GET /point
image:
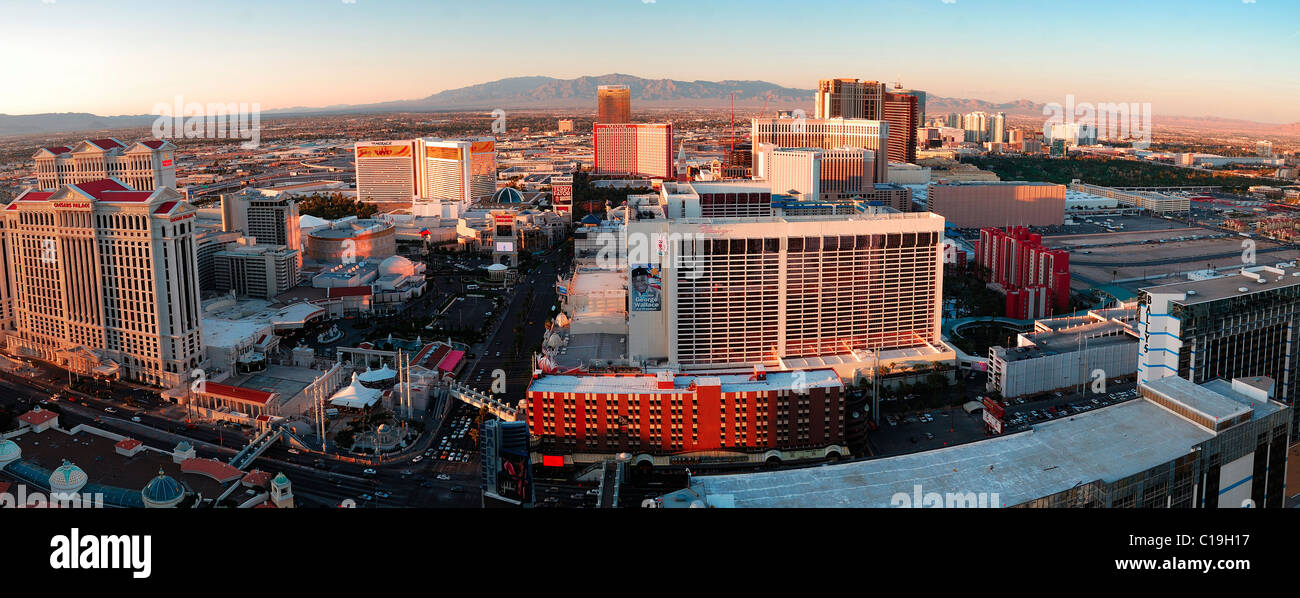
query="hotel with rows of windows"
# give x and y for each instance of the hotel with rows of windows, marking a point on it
(729, 322)
(104, 280)
(453, 172)
(824, 133)
(144, 165)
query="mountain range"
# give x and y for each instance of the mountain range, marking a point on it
(554, 93)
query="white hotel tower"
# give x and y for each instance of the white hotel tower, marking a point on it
(144, 165)
(105, 281)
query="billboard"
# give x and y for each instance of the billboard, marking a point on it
(993, 414)
(505, 246)
(383, 151)
(645, 292)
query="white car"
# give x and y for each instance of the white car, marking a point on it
(417, 459)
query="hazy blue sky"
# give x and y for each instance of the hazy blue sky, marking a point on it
(1188, 57)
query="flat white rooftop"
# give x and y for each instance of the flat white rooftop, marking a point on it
(1107, 444)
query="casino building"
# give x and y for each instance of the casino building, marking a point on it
(456, 171)
(144, 165)
(105, 280)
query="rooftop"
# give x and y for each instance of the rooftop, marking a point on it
(1107, 444)
(648, 383)
(1254, 280)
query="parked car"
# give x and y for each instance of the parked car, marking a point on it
(368, 471)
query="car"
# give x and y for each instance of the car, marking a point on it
(593, 492)
(382, 494)
(428, 452)
(191, 426)
(367, 497)
(369, 471)
(457, 489)
(426, 484)
(551, 500)
(417, 459)
(444, 477)
(136, 419)
(294, 451)
(929, 436)
(109, 410)
(464, 458)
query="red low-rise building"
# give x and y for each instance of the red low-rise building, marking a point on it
(665, 414)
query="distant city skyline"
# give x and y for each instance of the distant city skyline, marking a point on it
(336, 52)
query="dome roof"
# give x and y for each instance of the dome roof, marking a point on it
(497, 267)
(68, 478)
(162, 490)
(396, 265)
(507, 195)
(9, 451)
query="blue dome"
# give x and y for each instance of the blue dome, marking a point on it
(162, 489)
(507, 195)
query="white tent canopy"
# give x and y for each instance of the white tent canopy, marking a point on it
(356, 396)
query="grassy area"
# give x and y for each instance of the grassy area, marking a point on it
(1107, 172)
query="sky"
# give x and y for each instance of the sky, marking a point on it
(1225, 58)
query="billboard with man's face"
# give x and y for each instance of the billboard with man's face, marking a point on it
(645, 291)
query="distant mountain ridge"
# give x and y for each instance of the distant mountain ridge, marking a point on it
(537, 92)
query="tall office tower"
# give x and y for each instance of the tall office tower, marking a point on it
(269, 218)
(261, 271)
(788, 292)
(901, 112)
(976, 125)
(818, 174)
(953, 120)
(849, 98)
(207, 243)
(643, 149)
(920, 102)
(105, 281)
(825, 134)
(1264, 148)
(385, 171)
(456, 170)
(613, 104)
(145, 165)
(998, 128)
(1229, 327)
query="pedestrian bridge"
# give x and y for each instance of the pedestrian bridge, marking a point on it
(470, 395)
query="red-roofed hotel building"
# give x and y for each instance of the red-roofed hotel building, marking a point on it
(104, 281)
(144, 165)
(747, 417)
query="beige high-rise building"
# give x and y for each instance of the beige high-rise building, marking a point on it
(850, 98)
(144, 165)
(817, 174)
(785, 292)
(267, 217)
(824, 133)
(105, 281)
(981, 204)
(613, 104)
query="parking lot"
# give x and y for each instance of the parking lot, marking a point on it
(939, 428)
